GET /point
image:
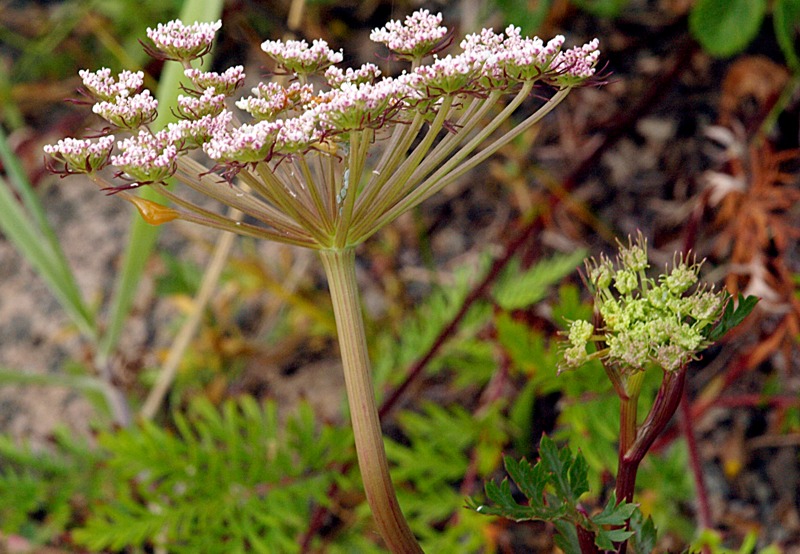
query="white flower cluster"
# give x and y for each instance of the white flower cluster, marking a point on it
(146, 157)
(128, 112)
(297, 117)
(243, 144)
(367, 73)
(414, 38)
(272, 99)
(197, 107)
(81, 155)
(176, 41)
(102, 86)
(297, 57)
(225, 83)
(193, 133)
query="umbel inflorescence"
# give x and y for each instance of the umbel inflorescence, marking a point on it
(644, 321)
(328, 155)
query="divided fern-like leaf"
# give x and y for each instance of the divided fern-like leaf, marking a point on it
(643, 540)
(614, 515)
(552, 488)
(229, 480)
(440, 445)
(732, 317)
(421, 328)
(517, 290)
(567, 474)
(46, 482)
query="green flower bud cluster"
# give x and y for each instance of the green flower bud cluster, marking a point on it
(663, 321)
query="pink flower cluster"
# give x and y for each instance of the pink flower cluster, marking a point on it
(102, 86)
(197, 107)
(128, 112)
(193, 133)
(367, 73)
(146, 157)
(81, 155)
(227, 82)
(513, 57)
(359, 106)
(272, 99)
(297, 57)
(176, 41)
(298, 117)
(420, 34)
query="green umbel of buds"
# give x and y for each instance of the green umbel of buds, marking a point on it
(644, 321)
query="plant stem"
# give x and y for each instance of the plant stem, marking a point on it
(629, 401)
(340, 270)
(666, 403)
(586, 541)
(703, 508)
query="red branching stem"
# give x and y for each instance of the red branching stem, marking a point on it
(666, 403)
(703, 508)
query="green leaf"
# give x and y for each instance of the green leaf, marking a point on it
(556, 470)
(613, 513)
(563, 469)
(726, 27)
(732, 317)
(228, 476)
(643, 540)
(10, 376)
(506, 505)
(531, 480)
(579, 476)
(605, 538)
(529, 17)
(602, 8)
(517, 290)
(567, 537)
(616, 516)
(786, 21)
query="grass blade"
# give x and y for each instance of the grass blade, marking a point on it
(27, 228)
(142, 235)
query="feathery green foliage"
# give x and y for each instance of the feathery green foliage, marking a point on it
(235, 480)
(36, 483)
(440, 445)
(472, 357)
(421, 327)
(519, 289)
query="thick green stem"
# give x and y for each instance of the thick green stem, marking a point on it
(340, 270)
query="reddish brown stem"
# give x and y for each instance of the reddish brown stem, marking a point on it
(664, 407)
(703, 508)
(586, 541)
(666, 403)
